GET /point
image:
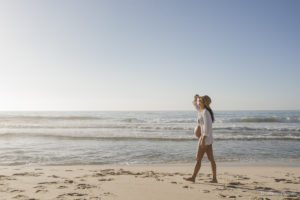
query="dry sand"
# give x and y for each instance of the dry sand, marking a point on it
(153, 182)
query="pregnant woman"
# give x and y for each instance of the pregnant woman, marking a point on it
(205, 119)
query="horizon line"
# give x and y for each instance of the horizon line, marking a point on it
(144, 110)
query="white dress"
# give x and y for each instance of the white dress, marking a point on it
(205, 121)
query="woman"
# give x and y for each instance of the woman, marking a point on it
(205, 119)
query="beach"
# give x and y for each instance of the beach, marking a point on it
(145, 155)
(148, 182)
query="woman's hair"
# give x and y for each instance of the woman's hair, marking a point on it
(206, 101)
(211, 113)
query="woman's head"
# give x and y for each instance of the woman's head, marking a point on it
(204, 102)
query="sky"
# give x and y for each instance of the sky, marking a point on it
(149, 55)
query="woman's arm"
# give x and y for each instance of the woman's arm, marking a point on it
(206, 127)
(195, 103)
(202, 140)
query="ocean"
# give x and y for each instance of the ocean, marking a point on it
(146, 137)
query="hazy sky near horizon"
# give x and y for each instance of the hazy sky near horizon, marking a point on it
(149, 55)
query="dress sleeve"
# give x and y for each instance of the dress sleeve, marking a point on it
(207, 123)
(196, 105)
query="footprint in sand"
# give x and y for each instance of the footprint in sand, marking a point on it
(48, 183)
(107, 193)
(5, 188)
(69, 181)
(180, 174)
(221, 188)
(158, 179)
(20, 196)
(105, 179)
(72, 194)
(41, 191)
(16, 190)
(40, 187)
(27, 174)
(263, 188)
(3, 177)
(234, 184)
(85, 186)
(280, 179)
(222, 195)
(107, 170)
(261, 198)
(62, 187)
(98, 174)
(95, 198)
(124, 172)
(286, 181)
(54, 176)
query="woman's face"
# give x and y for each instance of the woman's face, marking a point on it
(201, 104)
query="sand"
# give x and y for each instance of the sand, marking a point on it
(148, 182)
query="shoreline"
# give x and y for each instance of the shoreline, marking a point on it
(204, 163)
(163, 181)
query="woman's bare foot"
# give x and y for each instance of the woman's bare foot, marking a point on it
(190, 179)
(214, 181)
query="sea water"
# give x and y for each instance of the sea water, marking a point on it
(146, 137)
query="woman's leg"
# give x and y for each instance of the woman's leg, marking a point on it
(213, 166)
(200, 153)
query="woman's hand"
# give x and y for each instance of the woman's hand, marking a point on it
(202, 141)
(195, 97)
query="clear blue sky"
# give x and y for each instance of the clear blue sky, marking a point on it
(149, 55)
